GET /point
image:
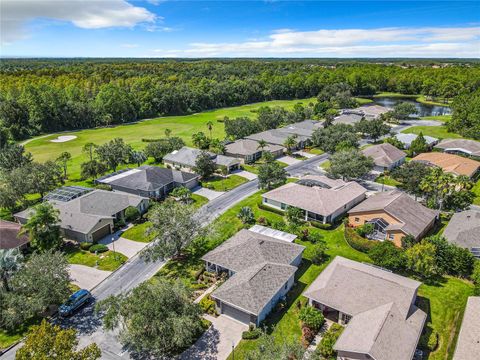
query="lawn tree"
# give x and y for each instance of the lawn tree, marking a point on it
(270, 117)
(89, 149)
(92, 169)
(63, 160)
(271, 348)
(174, 226)
(210, 127)
(295, 216)
(410, 175)
(48, 341)
(14, 186)
(329, 138)
(113, 153)
(419, 145)
(319, 253)
(395, 142)
(271, 174)
(421, 259)
(137, 157)
(374, 129)
(217, 146)
(385, 254)
(200, 140)
(451, 259)
(240, 127)
(403, 110)
(158, 149)
(45, 177)
(183, 194)
(168, 132)
(350, 164)
(289, 144)
(43, 227)
(164, 308)
(14, 156)
(10, 262)
(204, 165)
(246, 215)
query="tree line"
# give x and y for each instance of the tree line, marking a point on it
(41, 96)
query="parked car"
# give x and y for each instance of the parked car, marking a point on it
(74, 302)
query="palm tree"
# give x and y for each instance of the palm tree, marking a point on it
(10, 260)
(289, 143)
(210, 128)
(246, 215)
(168, 132)
(262, 144)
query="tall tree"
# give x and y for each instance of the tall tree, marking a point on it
(410, 175)
(374, 129)
(91, 169)
(350, 164)
(204, 165)
(329, 138)
(200, 140)
(210, 127)
(89, 149)
(10, 262)
(47, 341)
(419, 145)
(289, 143)
(43, 227)
(421, 259)
(137, 157)
(174, 226)
(113, 153)
(271, 175)
(14, 156)
(63, 160)
(45, 177)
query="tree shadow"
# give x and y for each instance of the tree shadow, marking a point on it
(423, 303)
(86, 321)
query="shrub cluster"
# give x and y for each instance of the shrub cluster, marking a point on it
(268, 208)
(208, 305)
(99, 248)
(85, 245)
(357, 242)
(251, 334)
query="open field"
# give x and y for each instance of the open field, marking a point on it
(439, 132)
(43, 149)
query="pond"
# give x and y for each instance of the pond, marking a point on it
(422, 109)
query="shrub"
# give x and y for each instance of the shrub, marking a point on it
(315, 237)
(325, 348)
(132, 213)
(118, 224)
(103, 187)
(279, 225)
(432, 340)
(268, 208)
(307, 336)
(357, 242)
(319, 254)
(251, 334)
(246, 215)
(199, 272)
(85, 245)
(262, 220)
(320, 225)
(311, 318)
(99, 248)
(208, 305)
(365, 229)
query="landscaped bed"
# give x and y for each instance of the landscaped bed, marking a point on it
(220, 183)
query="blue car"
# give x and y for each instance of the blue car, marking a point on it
(74, 302)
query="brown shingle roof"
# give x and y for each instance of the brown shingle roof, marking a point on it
(471, 146)
(450, 163)
(384, 154)
(9, 235)
(249, 147)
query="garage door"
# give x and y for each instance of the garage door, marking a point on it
(236, 314)
(101, 233)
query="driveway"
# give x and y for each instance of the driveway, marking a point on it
(246, 174)
(209, 194)
(124, 246)
(86, 277)
(289, 160)
(216, 343)
(306, 154)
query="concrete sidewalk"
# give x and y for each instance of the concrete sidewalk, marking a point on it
(86, 277)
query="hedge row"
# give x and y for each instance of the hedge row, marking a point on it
(357, 242)
(268, 208)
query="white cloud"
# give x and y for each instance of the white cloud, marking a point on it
(85, 14)
(380, 42)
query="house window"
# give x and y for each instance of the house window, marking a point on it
(357, 219)
(391, 236)
(283, 206)
(345, 318)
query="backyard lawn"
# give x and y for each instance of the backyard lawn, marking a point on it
(219, 183)
(439, 132)
(108, 261)
(387, 180)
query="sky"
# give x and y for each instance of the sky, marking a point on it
(157, 28)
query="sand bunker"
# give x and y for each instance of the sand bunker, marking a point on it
(64, 138)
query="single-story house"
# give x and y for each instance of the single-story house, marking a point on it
(249, 151)
(149, 181)
(394, 215)
(460, 146)
(323, 199)
(406, 139)
(376, 306)
(10, 237)
(385, 156)
(463, 230)
(278, 137)
(260, 269)
(186, 157)
(302, 128)
(468, 343)
(371, 112)
(91, 217)
(450, 163)
(349, 118)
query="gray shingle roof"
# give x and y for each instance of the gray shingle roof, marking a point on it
(303, 128)
(9, 235)
(407, 139)
(148, 178)
(349, 119)
(249, 147)
(384, 322)
(468, 344)
(384, 154)
(463, 229)
(319, 200)
(187, 157)
(275, 136)
(469, 146)
(414, 217)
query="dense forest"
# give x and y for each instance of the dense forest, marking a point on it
(41, 96)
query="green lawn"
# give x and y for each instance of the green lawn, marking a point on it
(43, 149)
(199, 200)
(315, 151)
(387, 180)
(476, 190)
(253, 167)
(108, 261)
(138, 233)
(8, 338)
(325, 165)
(219, 183)
(363, 101)
(439, 132)
(442, 118)
(422, 99)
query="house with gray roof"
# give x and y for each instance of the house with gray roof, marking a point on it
(349, 118)
(463, 230)
(385, 156)
(394, 215)
(468, 343)
(460, 147)
(260, 269)
(278, 137)
(302, 128)
(321, 198)
(149, 181)
(376, 306)
(371, 112)
(406, 139)
(11, 237)
(249, 150)
(91, 217)
(186, 157)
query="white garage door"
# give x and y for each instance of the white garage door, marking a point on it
(236, 314)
